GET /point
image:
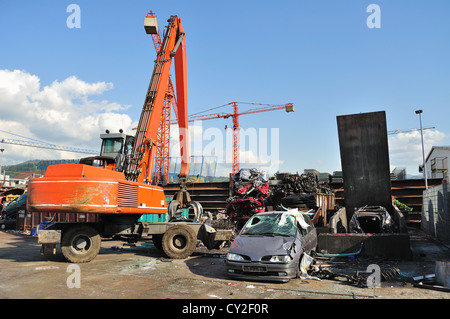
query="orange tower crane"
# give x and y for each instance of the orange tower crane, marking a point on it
(289, 107)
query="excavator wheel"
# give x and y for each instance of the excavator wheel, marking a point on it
(179, 242)
(80, 244)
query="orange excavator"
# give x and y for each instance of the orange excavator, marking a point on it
(116, 185)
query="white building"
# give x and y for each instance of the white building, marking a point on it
(4, 181)
(436, 163)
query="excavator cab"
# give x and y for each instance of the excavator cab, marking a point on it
(117, 146)
(115, 151)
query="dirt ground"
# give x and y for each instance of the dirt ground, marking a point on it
(122, 271)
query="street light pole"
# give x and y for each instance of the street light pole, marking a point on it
(423, 152)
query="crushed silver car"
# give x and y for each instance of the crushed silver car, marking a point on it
(271, 245)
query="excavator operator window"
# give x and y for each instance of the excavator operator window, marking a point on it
(113, 145)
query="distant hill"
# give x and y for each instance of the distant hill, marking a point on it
(33, 166)
(28, 166)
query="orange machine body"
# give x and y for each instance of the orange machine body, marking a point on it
(87, 189)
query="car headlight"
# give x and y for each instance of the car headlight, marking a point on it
(280, 259)
(235, 257)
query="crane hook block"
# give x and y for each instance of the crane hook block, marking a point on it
(290, 107)
(150, 23)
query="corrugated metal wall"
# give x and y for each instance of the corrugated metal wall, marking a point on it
(436, 212)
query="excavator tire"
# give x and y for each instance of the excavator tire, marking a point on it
(80, 244)
(179, 242)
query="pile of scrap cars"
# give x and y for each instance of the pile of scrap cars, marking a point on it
(277, 239)
(253, 192)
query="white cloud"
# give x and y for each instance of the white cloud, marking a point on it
(215, 145)
(62, 113)
(195, 135)
(405, 149)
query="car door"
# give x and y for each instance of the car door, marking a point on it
(304, 238)
(10, 208)
(14, 206)
(310, 236)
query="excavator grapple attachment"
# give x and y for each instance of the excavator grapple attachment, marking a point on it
(150, 23)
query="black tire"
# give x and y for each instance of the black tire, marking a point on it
(80, 244)
(179, 242)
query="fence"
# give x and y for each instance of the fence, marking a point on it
(202, 169)
(436, 212)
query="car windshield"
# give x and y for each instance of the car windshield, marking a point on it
(270, 225)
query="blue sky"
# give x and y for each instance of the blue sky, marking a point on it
(319, 55)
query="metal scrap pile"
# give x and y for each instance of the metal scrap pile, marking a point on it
(250, 189)
(304, 183)
(253, 193)
(359, 278)
(295, 191)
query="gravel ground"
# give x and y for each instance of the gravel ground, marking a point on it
(122, 271)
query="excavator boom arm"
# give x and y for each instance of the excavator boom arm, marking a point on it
(142, 157)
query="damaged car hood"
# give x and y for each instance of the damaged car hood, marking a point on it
(256, 247)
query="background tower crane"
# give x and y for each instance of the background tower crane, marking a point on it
(409, 130)
(162, 152)
(45, 145)
(289, 107)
